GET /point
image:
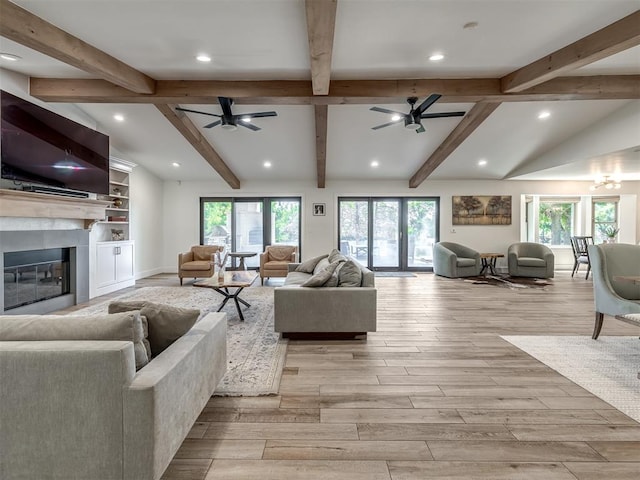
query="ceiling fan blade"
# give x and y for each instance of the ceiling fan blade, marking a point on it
(214, 124)
(250, 126)
(421, 129)
(196, 111)
(386, 124)
(385, 110)
(225, 103)
(431, 99)
(257, 115)
(443, 114)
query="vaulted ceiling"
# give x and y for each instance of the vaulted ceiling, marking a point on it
(322, 64)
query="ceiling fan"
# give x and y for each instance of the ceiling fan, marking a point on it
(228, 120)
(412, 120)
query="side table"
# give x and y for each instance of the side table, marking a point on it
(242, 256)
(489, 262)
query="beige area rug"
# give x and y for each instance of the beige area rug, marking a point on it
(255, 353)
(607, 367)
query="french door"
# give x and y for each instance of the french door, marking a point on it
(386, 233)
(249, 224)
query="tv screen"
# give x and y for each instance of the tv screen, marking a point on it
(43, 148)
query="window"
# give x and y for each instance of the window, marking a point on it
(605, 217)
(556, 221)
(249, 224)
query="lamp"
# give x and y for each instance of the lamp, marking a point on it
(607, 183)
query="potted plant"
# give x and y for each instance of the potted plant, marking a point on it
(611, 232)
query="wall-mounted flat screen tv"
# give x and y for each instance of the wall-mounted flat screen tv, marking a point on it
(43, 148)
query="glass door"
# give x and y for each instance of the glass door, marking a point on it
(285, 222)
(249, 231)
(386, 234)
(354, 229)
(422, 231)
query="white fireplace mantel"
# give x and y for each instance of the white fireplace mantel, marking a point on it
(15, 203)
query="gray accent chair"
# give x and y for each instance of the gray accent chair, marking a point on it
(526, 259)
(454, 260)
(620, 299)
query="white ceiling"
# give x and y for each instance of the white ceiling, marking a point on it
(374, 39)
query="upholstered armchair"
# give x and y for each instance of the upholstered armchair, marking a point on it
(454, 260)
(614, 296)
(275, 260)
(527, 259)
(199, 262)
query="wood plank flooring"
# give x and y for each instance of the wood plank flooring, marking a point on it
(435, 393)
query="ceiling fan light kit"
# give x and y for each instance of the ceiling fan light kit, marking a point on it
(228, 120)
(413, 119)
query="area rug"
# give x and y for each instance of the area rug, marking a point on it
(394, 274)
(607, 367)
(255, 352)
(509, 282)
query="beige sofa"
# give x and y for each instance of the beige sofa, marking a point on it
(325, 311)
(78, 409)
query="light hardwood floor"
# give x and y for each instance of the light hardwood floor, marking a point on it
(434, 393)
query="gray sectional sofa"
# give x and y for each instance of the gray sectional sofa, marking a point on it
(339, 307)
(79, 409)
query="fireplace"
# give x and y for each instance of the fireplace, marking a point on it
(44, 270)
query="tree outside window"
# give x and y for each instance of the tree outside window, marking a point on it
(556, 222)
(605, 219)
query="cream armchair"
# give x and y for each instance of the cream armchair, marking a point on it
(275, 260)
(198, 262)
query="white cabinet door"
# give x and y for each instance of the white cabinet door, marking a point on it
(124, 261)
(105, 264)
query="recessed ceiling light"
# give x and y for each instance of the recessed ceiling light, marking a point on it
(267, 164)
(203, 58)
(543, 115)
(482, 162)
(470, 25)
(10, 56)
(118, 117)
(374, 164)
(246, 119)
(436, 57)
(175, 164)
(395, 117)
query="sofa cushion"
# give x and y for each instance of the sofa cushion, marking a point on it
(296, 278)
(349, 275)
(166, 322)
(531, 262)
(322, 264)
(308, 265)
(465, 262)
(120, 326)
(320, 278)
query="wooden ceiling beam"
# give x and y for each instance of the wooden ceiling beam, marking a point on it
(23, 27)
(321, 22)
(343, 92)
(612, 39)
(466, 127)
(192, 134)
(321, 114)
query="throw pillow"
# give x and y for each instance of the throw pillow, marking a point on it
(320, 278)
(333, 279)
(350, 275)
(336, 256)
(166, 322)
(322, 264)
(308, 265)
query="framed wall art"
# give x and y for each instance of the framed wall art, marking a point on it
(318, 208)
(481, 210)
